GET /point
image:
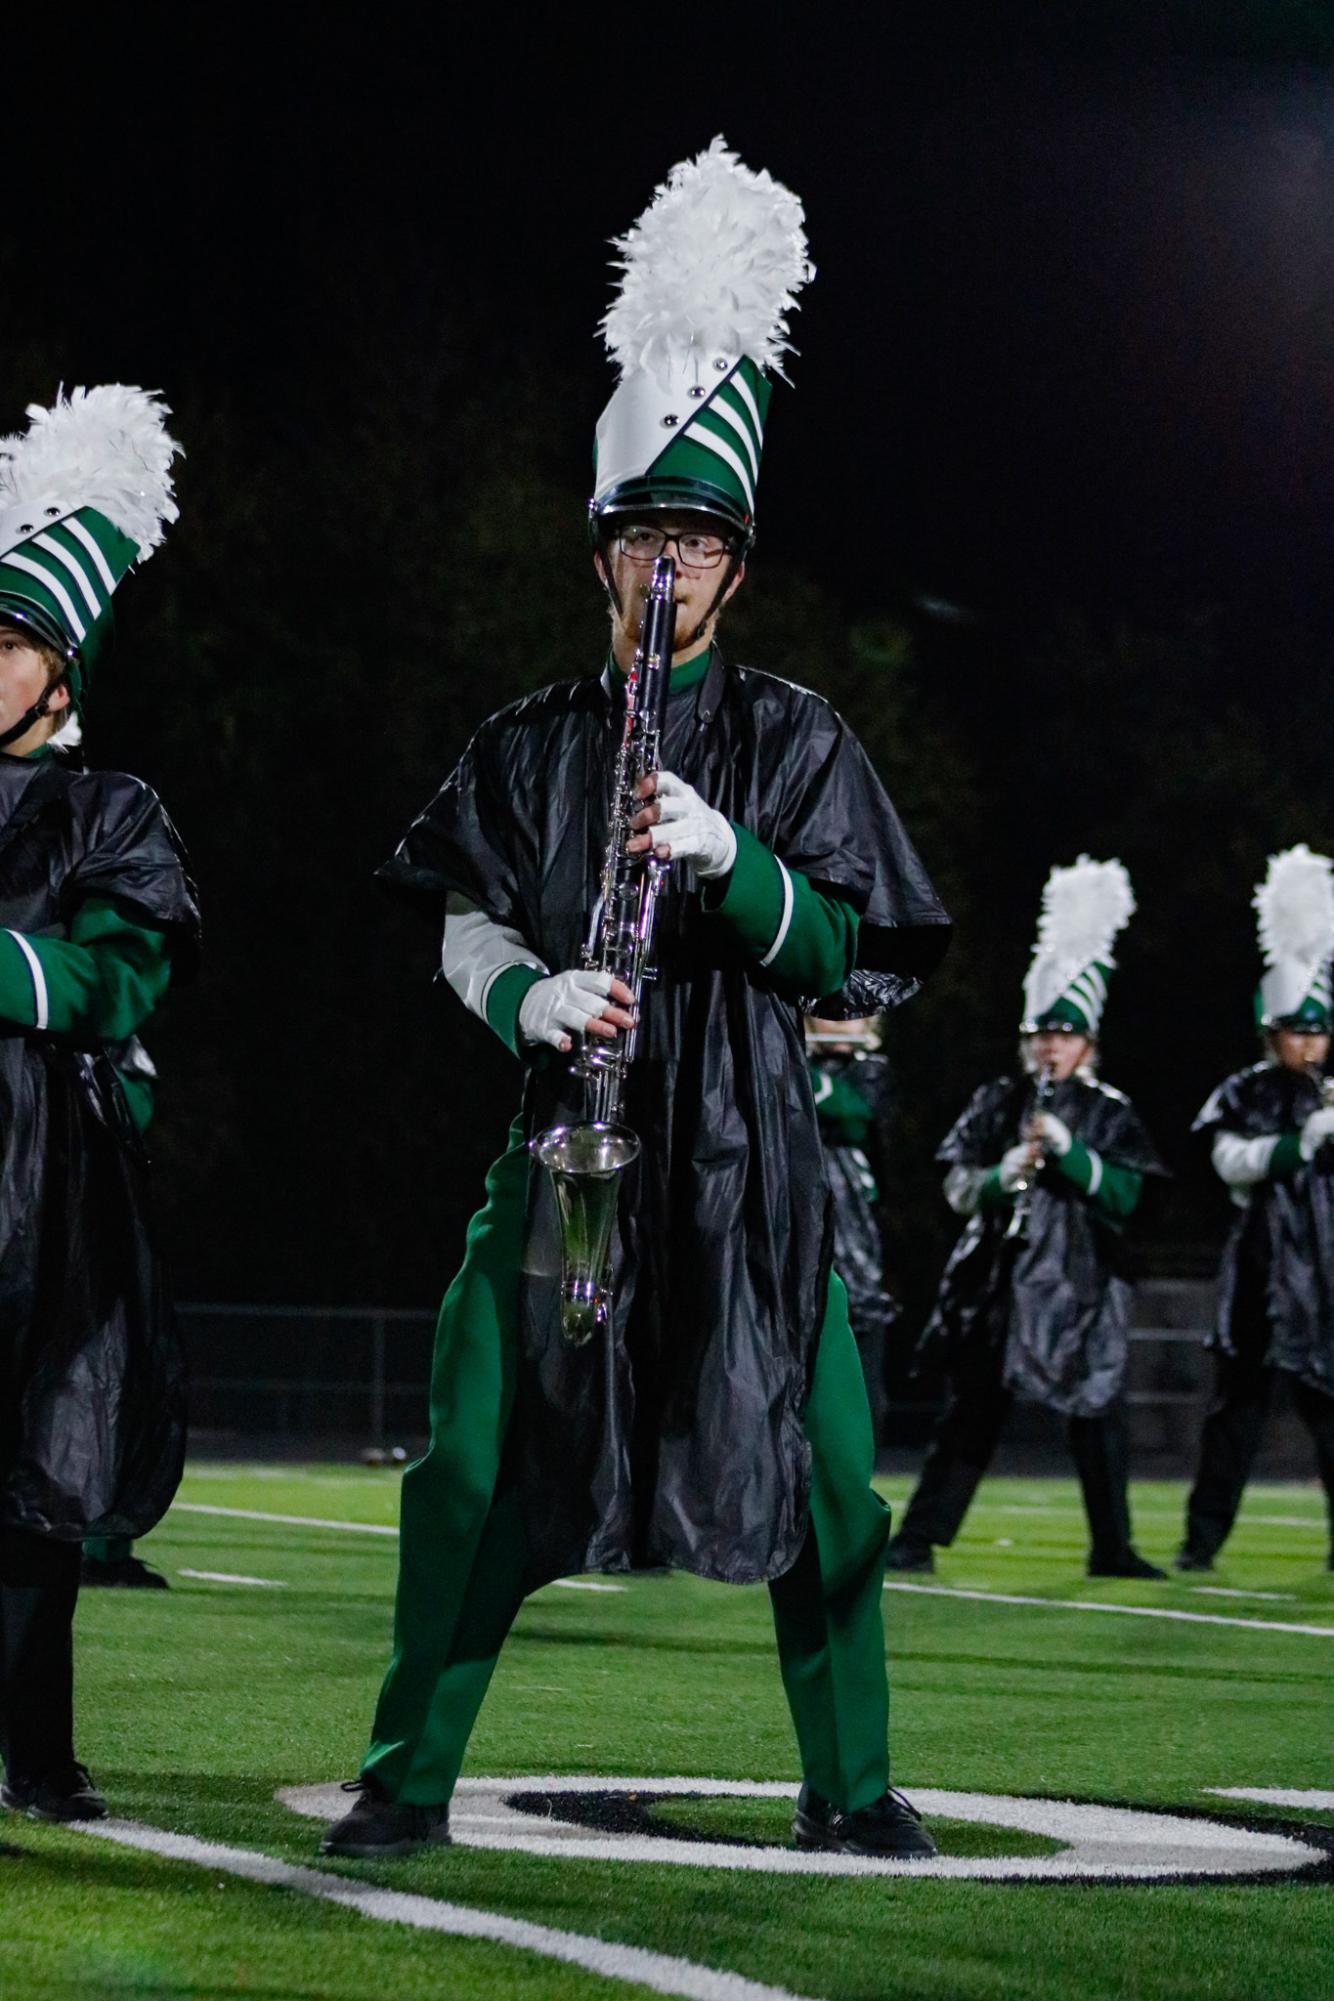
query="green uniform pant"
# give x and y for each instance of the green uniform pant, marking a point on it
(462, 1547)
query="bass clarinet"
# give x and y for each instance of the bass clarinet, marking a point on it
(586, 1160)
(1023, 1195)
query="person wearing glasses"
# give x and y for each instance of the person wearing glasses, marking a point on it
(1046, 1169)
(1270, 1129)
(720, 1424)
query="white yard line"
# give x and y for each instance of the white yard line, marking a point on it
(1142, 1514)
(1230, 1591)
(585, 1584)
(284, 1521)
(656, 1970)
(1127, 1611)
(233, 1577)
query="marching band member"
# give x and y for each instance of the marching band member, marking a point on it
(1269, 1127)
(1047, 1169)
(720, 1426)
(851, 1077)
(101, 919)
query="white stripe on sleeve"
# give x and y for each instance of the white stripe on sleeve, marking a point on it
(1095, 1171)
(784, 922)
(41, 1000)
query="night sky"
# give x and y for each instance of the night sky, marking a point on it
(1068, 355)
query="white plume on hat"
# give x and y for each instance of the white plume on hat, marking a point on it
(715, 261)
(106, 448)
(1294, 908)
(1084, 908)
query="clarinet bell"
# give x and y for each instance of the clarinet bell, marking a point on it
(585, 1163)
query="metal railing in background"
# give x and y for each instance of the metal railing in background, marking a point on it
(300, 1379)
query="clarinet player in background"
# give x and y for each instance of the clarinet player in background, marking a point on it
(1270, 1129)
(1047, 1169)
(717, 1421)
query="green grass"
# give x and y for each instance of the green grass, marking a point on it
(195, 1706)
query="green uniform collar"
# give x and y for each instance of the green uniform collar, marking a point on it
(685, 677)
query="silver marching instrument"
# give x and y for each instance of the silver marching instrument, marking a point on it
(1023, 1195)
(586, 1160)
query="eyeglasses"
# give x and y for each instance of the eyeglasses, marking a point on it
(696, 551)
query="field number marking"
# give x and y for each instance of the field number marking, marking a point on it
(1100, 1841)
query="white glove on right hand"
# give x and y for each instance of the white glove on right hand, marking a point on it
(556, 1008)
(1317, 1129)
(1016, 1167)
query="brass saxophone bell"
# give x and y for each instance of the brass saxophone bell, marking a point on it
(585, 1163)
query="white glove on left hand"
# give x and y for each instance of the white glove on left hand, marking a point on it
(690, 830)
(1016, 1168)
(1317, 1129)
(1054, 1133)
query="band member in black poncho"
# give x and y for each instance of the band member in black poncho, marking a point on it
(719, 1424)
(1271, 1134)
(99, 919)
(1047, 1168)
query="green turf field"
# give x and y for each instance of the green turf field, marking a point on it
(199, 1705)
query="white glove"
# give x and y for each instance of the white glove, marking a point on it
(692, 830)
(554, 1009)
(1016, 1167)
(1317, 1129)
(1054, 1133)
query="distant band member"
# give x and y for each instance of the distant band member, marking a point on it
(853, 1085)
(1048, 1168)
(1270, 1128)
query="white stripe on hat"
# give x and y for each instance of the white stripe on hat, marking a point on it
(90, 596)
(743, 390)
(89, 541)
(720, 449)
(721, 408)
(54, 585)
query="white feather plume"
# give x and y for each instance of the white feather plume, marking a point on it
(1295, 907)
(1084, 907)
(69, 734)
(106, 448)
(716, 260)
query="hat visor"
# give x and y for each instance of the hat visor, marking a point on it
(694, 496)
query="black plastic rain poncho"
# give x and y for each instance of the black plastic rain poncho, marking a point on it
(1276, 1276)
(1057, 1300)
(684, 1445)
(92, 1419)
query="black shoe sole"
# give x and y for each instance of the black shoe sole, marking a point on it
(371, 1851)
(30, 1811)
(811, 1837)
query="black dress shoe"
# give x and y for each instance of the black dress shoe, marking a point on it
(378, 1826)
(904, 1555)
(63, 1795)
(1193, 1559)
(131, 1573)
(1130, 1564)
(890, 1827)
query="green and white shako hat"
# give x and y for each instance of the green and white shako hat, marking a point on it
(1294, 908)
(1084, 908)
(709, 273)
(85, 493)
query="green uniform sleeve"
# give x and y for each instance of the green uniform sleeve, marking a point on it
(506, 998)
(1113, 1189)
(98, 985)
(1286, 1157)
(806, 939)
(991, 1196)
